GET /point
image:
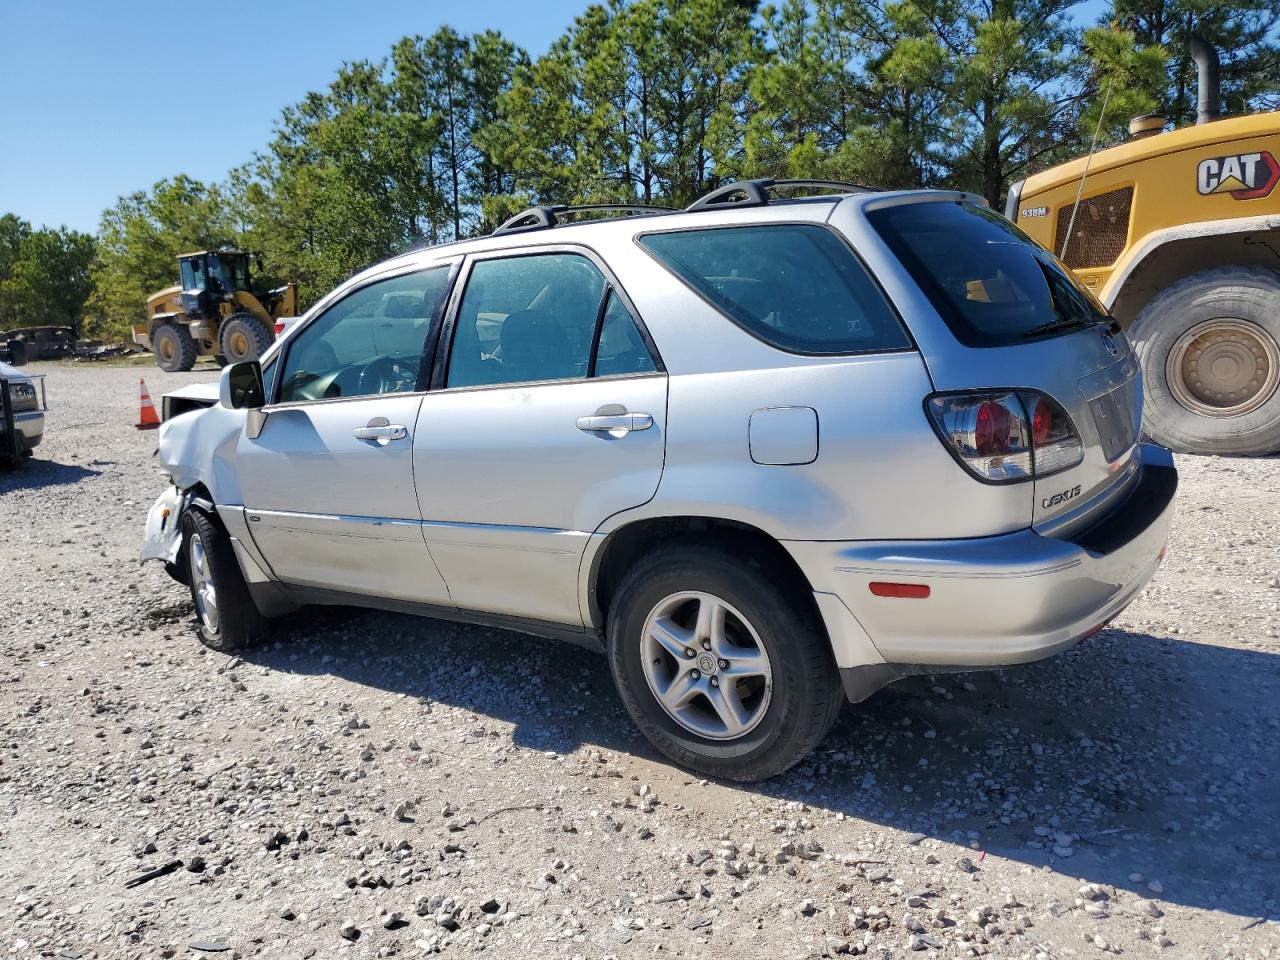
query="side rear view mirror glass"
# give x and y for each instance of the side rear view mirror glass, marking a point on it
(241, 387)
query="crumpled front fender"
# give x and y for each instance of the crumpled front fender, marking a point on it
(163, 537)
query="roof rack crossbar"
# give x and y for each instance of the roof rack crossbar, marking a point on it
(542, 217)
(755, 193)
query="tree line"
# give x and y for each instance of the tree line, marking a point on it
(659, 101)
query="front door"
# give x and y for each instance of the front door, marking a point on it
(328, 483)
(550, 418)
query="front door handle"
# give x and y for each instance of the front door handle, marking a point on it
(380, 431)
(615, 424)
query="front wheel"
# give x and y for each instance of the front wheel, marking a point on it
(724, 670)
(1210, 351)
(242, 337)
(226, 617)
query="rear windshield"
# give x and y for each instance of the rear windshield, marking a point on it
(795, 286)
(991, 283)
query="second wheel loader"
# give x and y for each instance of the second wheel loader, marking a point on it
(214, 311)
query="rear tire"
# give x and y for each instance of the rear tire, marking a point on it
(241, 337)
(226, 617)
(1210, 352)
(174, 349)
(781, 709)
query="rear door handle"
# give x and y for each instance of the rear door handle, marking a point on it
(616, 424)
(380, 431)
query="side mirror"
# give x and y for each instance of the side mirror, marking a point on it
(241, 387)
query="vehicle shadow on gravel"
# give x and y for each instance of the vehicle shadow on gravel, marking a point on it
(1135, 761)
(34, 473)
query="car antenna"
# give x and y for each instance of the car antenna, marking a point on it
(1075, 207)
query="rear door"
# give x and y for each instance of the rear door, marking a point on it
(328, 482)
(1014, 317)
(547, 415)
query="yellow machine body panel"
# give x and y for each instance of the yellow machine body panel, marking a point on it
(1221, 171)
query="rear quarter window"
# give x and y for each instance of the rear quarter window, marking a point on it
(795, 286)
(991, 283)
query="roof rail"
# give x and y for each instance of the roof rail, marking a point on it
(542, 217)
(755, 193)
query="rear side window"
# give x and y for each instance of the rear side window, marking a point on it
(795, 286)
(990, 282)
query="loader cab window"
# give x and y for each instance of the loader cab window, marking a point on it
(192, 270)
(230, 273)
(369, 342)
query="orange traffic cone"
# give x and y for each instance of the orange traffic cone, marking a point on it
(148, 419)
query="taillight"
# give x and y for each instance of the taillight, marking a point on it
(1003, 436)
(279, 327)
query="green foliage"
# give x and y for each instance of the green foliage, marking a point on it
(139, 240)
(44, 275)
(1244, 32)
(659, 101)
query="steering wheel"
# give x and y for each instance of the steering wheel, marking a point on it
(388, 375)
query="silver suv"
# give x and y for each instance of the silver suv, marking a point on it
(766, 453)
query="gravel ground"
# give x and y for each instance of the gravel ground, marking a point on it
(376, 785)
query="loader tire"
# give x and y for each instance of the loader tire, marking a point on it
(174, 349)
(242, 337)
(1210, 352)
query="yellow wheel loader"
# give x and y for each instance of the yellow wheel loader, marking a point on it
(1178, 234)
(213, 312)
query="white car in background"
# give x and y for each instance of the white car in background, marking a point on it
(26, 407)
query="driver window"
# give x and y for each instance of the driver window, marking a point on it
(370, 342)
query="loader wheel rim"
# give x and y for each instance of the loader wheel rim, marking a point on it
(238, 344)
(1224, 367)
(167, 348)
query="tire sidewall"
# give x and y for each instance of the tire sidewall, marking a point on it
(253, 330)
(227, 581)
(763, 606)
(164, 332)
(1158, 329)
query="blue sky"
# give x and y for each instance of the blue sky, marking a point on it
(104, 97)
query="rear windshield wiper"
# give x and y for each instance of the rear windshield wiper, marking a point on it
(1053, 326)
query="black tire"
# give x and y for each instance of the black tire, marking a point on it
(242, 337)
(806, 694)
(174, 349)
(237, 623)
(1248, 294)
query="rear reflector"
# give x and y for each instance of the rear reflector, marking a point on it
(279, 327)
(911, 591)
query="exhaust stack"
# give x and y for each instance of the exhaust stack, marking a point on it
(1208, 107)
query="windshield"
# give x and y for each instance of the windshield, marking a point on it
(990, 282)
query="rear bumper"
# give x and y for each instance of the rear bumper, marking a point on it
(29, 425)
(998, 600)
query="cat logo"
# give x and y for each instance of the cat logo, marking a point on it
(1246, 176)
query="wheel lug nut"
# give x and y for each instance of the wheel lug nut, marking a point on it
(690, 653)
(706, 644)
(724, 664)
(695, 674)
(715, 682)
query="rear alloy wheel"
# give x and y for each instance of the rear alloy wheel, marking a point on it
(706, 665)
(174, 349)
(242, 337)
(726, 669)
(1210, 351)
